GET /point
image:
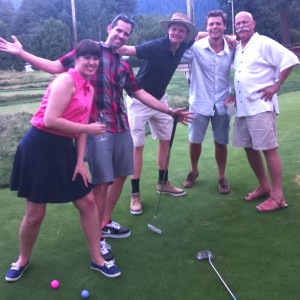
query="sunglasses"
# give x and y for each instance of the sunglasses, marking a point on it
(123, 18)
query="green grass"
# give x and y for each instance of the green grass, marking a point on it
(256, 254)
(11, 78)
(12, 128)
(16, 108)
(22, 87)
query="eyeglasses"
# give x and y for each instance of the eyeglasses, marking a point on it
(123, 18)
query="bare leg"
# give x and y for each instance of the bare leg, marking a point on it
(221, 158)
(100, 192)
(29, 230)
(113, 194)
(138, 161)
(275, 171)
(256, 163)
(162, 154)
(90, 222)
(195, 152)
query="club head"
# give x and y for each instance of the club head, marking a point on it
(204, 254)
(154, 229)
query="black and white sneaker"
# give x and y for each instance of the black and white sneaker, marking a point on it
(105, 251)
(115, 230)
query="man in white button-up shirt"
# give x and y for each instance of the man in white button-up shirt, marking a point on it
(210, 59)
(261, 66)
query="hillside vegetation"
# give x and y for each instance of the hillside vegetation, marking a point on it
(168, 7)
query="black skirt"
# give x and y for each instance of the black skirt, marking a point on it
(43, 168)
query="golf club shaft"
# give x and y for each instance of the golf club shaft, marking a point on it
(222, 280)
(168, 158)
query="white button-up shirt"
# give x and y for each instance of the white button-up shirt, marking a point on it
(210, 77)
(257, 66)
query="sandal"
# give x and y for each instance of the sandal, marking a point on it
(271, 205)
(257, 194)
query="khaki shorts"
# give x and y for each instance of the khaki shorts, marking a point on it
(257, 132)
(139, 114)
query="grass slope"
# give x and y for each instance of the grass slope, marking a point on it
(22, 87)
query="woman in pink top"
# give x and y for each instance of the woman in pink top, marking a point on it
(49, 163)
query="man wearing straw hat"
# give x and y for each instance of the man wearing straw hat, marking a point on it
(160, 58)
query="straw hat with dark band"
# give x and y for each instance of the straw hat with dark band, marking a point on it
(183, 19)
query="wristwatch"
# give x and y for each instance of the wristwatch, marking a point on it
(277, 80)
(170, 112)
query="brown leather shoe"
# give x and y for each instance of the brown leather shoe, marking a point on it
(136, 207)
(223, 186)
(169, 188)
(190, 179)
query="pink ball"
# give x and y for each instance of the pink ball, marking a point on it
(55, 284)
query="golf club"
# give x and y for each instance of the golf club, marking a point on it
(154, 229)
(151, 227)
(206, 254)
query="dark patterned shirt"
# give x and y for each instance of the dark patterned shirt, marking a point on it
(114, 75)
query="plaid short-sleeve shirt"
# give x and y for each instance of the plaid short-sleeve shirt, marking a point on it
(114, 75)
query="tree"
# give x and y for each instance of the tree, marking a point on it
(295, 23)
(5, 59)
(147, 28)
(7, 12)
(54, 39)
(51, 41)
(92, 20)
(201, 8)
(273, 17)
(280, 11)
(33, 13)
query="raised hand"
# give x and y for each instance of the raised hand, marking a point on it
(14, 48)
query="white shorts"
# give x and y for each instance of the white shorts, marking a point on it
(139, 114)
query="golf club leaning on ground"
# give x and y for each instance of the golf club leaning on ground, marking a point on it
(151, 227)
(206, 254)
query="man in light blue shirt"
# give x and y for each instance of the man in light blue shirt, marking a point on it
(210, 59)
